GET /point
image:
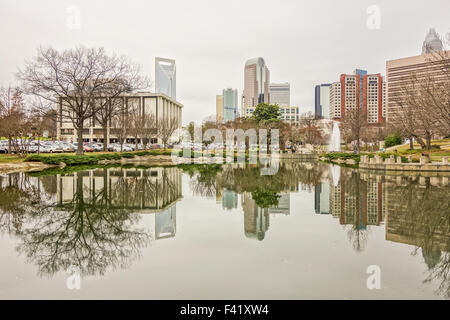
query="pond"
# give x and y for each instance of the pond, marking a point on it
(311, 231)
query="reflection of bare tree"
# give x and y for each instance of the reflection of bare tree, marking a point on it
(203, 179)
(419, 214)
(357, 231)
(358, 237)
(142, 188)
(441, 273)
(89, 234)
(18, 196)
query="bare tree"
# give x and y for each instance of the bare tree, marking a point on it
(166, 127)
(14, 120)
(136, 123)
(120, 127)
(354, 122)
(148, 128)
(423, 101)
(309, 130)
(74, 79)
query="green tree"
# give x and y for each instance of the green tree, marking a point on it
(266, 113)
(265, 197)
(392, 140)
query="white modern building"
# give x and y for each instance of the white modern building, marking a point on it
(166, 77)
(280, 94)
(158, 104)
(335, 100)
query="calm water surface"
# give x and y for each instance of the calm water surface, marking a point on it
(209, 232)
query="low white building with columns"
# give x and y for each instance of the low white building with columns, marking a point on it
(158, 104)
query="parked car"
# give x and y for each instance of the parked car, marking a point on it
(67, 147)
(87, 148)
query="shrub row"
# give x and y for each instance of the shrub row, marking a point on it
(74, 160)
(90, 159)
(357, 157)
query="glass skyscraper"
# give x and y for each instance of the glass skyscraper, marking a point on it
(166, 77)
(256, 84)
(361, 74)
(229, 104)
(322, 100)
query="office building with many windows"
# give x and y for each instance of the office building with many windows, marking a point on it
(280, 94)
(162, 107)
(256, 84)
(359, 91)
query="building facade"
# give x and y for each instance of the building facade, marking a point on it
(280, 94)
(400, 70)
(230, 104)
(166, 77)
(335, 101)
(290, 114)
(359, 91)
(159, 105)
(256, 84)
(219, 108)
(322, 100)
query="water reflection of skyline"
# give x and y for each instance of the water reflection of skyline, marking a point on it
(42, 210)
(144, 191)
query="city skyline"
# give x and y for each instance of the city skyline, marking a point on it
(312, 53)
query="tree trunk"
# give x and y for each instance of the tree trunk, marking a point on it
(420, 141)
(105, 138)
(9, 145)
(39, 144)
(80, 141)
(428, 139)
(411, 143)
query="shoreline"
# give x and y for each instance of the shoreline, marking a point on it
(14, 167)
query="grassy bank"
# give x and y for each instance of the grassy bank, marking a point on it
(357, 157)
(440, 148)
(94, 158)
(188, 168)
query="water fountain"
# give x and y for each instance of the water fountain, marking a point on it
(335, 139)
(335, 172)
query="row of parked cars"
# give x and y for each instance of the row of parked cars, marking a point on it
(48, 146)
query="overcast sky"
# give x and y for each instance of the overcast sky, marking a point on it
(303, 42)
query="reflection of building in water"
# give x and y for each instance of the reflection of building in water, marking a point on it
(165, 223)
(335, 200)
(154, 190)
(229, 199)
(283, 206)
(359, 203)
(419, 215)
(256, 219)
(322, 198)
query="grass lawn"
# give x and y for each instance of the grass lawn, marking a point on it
(9, 158)
(12, 158)
(435, 154)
